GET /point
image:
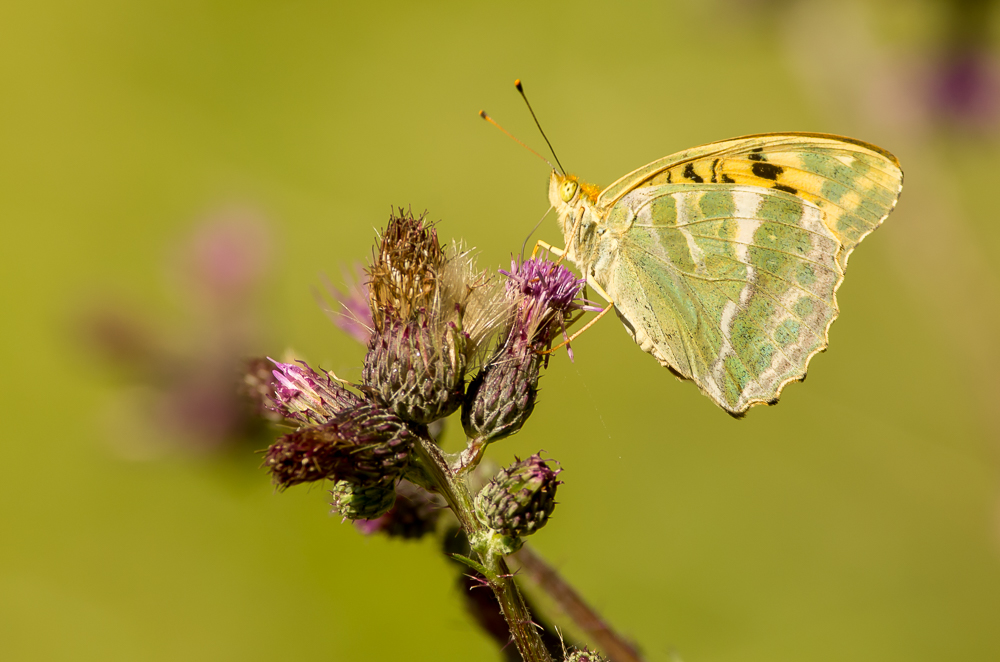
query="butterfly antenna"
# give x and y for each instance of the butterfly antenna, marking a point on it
(482, 113)
(520, 88)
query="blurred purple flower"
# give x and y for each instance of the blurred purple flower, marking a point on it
(197, 390)
(227, 255)
(964, 88)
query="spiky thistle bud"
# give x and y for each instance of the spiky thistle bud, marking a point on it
(363, 501)
(417, 367)
(364, 445)
(584, 655)
(502, 395)
(414, 515)
(301, 394)
(519, 499)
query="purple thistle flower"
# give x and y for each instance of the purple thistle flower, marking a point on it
(547, 295)
(304, 395)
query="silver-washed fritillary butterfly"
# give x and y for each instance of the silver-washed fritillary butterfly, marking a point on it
(723, 261)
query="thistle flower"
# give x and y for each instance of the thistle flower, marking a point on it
(364, 445)
(519, 499)
(363, 501)
(502, 395)
(301, 394)
(414, 515)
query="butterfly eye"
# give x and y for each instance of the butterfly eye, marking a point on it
(568, 191)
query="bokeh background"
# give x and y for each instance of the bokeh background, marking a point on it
(176, 176)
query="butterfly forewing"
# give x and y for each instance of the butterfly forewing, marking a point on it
(854, 183)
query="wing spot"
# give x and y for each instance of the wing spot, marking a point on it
(786, 189)
(689, 173)
(767, 170)
(726, 179)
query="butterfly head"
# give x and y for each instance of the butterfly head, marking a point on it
(566, 191)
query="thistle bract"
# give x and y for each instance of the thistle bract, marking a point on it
(518, 500)
(364, 445)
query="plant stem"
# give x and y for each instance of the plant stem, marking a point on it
(610, 642)
(456, 493)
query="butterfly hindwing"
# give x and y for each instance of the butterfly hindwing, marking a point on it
(731, 286)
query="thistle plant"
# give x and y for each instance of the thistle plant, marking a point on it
(444, 337)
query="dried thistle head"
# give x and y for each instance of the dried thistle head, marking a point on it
(404, 270)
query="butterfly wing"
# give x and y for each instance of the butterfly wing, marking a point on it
(855, 184)
(731, 286)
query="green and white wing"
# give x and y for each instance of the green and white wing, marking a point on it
(730, 286)
(856, 184)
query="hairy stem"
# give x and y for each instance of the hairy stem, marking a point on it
(610, 642)
(456, 493)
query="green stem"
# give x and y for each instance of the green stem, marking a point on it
(456, 493)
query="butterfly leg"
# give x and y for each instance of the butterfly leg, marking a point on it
(549, 247)
(605, 311)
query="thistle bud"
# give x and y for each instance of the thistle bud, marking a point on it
(364, 445)
(414, 515)
(363, 501)
(518, 500)
(417, 368)
(584, 655)
(301, 394)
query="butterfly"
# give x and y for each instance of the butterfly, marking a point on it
(723, 261)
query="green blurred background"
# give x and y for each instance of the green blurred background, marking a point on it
(859, 519)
